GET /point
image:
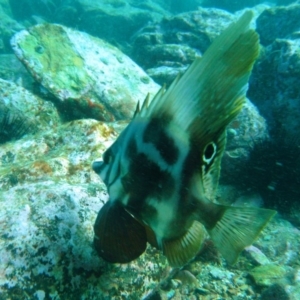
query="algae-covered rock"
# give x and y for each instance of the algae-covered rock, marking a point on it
(89, 77)
(266, 275)
(49, 200)
(56, 154)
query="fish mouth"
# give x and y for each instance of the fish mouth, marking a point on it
(97, 166)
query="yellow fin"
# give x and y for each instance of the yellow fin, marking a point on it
(212, 91)
(181, 250)
(238, 228)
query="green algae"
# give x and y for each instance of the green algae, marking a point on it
(268, 274)
(49, 48)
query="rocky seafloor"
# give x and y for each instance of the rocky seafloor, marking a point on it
(64, 98)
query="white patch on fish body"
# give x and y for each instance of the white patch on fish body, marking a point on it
(166, 213)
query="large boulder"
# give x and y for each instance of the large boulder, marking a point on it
(88, 77)
(279, 23)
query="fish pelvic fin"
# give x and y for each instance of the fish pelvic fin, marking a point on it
(212, 91)
(237, 228)
(181, 250)
(119, 237)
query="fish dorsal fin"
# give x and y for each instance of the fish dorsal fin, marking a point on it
(137, 109)
(145, 105)
(211, 165)
(212, 91)
(181, 250)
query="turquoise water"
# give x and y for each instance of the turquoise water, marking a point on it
(71, 75)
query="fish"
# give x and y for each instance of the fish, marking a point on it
(162, 172)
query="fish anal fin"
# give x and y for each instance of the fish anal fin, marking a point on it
(119, 238)
(238, 228)
(181, 250)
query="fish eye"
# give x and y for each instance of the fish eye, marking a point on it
(209, 152)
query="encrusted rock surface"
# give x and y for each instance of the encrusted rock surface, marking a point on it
(279, 23)
(19, 105)
(275, 88)
(89, 77)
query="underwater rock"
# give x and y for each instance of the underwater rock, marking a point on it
(13, 125)
(178, 6)
(281, 243)
(267, 275)
(11, 69)
(233, 6)
(177, 40)
(279, 23)
(243, 133)
(21, 110)
(89, 77)
(165, 75)
(49, 199)
(25, 9)
(56, 154)
(8, 26)
(116, 21)
(281, 292)
(257, 256)
(274, 87)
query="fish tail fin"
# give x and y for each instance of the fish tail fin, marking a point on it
(237, 228)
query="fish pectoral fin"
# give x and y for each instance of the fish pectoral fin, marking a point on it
(119, 238)
(238, 228)
(181, 250)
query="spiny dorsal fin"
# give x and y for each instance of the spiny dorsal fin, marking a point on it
(144, 106)
(212, 91)
(157, 98)
(137, 110)
(181, 250)
(146, 102)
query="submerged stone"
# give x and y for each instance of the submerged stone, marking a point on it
(177, 40)
(267, 275)
(22, 113)
(89, 77)
(279, 22)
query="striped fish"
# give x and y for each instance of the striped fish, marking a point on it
(162, 172)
